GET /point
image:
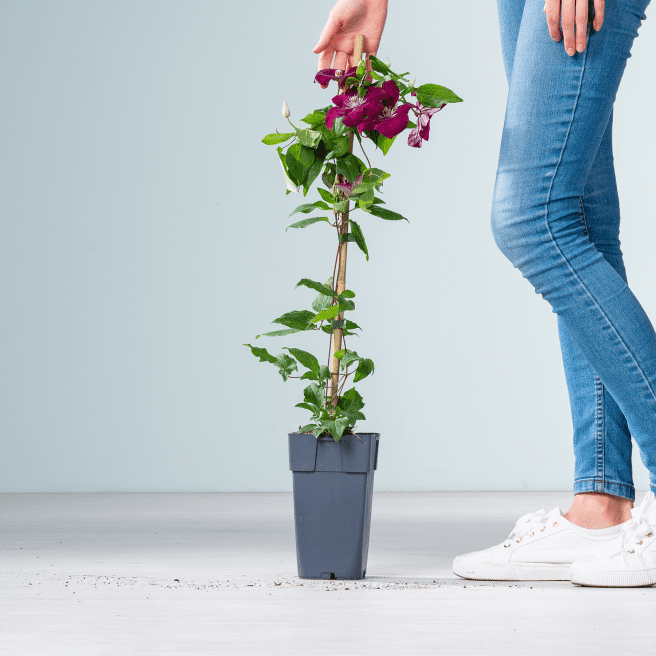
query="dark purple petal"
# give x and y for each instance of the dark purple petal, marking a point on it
(375, 94)
(354, 117)
(333, 113)
(396, 123)
(391, 93)
(424, 130)
(327, 75)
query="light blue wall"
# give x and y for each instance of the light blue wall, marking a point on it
(142, 242)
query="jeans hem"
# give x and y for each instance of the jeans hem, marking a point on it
(605, 486)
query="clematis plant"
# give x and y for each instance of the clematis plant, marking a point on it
(374, 105)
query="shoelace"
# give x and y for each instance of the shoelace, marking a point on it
(642, 525)
(527, 524)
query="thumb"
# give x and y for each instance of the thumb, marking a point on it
(329, 31)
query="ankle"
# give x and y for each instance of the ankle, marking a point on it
(596, 510)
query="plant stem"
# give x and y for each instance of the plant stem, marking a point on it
(337, 333)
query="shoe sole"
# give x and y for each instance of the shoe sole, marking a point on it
(515, 572)
(634, 579)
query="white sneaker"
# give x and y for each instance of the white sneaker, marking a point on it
(541, 547)
(633, 561)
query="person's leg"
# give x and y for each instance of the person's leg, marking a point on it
(558, 114)
(601, 432)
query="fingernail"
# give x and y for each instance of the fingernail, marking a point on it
(570, 51)
(580, 47)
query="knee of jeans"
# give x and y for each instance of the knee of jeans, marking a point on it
(505, 223)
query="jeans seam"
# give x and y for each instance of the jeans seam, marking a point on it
(604, 480)
(555, 243)
(601, 428)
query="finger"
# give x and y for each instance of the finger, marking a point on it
(567, 24)
(325, 60)
(581, 24)
(552, 10)
(341, 59)
(330, 29)
(599, 7)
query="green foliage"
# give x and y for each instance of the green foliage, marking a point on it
(433, 95)
(272, 139)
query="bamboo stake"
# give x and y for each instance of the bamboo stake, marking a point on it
(341, 274)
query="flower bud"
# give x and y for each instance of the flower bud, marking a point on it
(387, 62)
(412, 82)
(285, 109)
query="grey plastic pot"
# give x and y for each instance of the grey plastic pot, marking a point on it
(333, 490)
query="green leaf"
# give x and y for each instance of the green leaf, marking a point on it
(306, 359)
(306, 208)
(314, 171)
(299, 319)
(348, 357)
(365, 367)
(314, 394)
(379, 201)
(323, 301)
(306, 428)
(336, 427)
(299, 160)
(339, 354)
(365, 196)
(341, 206)
(317, 286)
(433, 95)
(350, 403)
(306, 222)
(379, 66)
(362, 67)
(347, 293)
(276, 138)
(308, 406)
(280, 333)
(262, 353)
(317, 431)
(384, 143)
(359, 237)
(328, 177)
(307, 137)
(327, 196)
(345, 304)
(386, 214)
(315, 118)
(329, 313)
(284, 363)
(339, 128)
(324, 372)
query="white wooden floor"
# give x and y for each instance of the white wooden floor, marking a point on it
(216, 574)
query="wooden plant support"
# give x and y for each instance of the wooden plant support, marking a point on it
(337, 335)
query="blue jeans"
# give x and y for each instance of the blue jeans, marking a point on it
(556, 217)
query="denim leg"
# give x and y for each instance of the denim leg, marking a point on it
(601, 431)
(602, 440)
(558, 110)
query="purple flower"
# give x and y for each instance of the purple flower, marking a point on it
(353, 108)
(423, 124)
(347, 187)
(390, 120)
(329, 74)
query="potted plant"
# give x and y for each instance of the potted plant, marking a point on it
(333, 466)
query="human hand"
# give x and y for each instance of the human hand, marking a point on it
(345, 20)
(574, 13)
